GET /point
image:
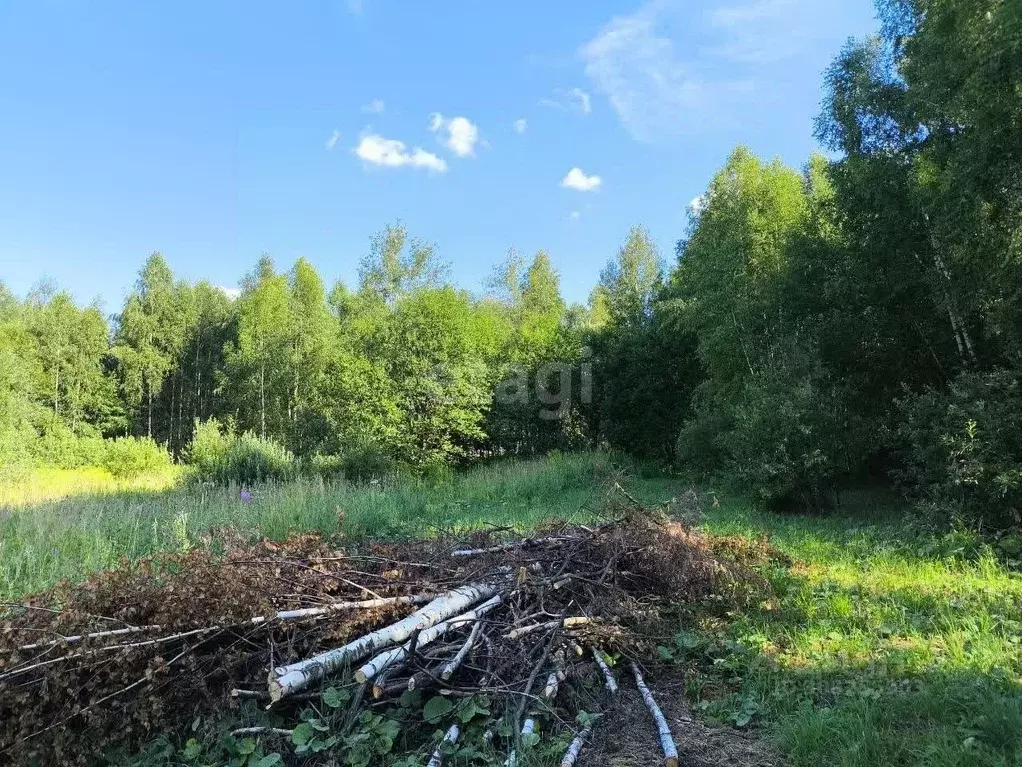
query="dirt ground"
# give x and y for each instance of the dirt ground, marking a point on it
(627, 737)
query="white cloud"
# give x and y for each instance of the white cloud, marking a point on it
(374, 107)
(728, 16)
(581, 98)
(391, 153)
(574, 215)
(577, 179)
(231, 293)
(661, 90)
(697, 205)
(573, 100)
(520, 126)
(462, 133)
(332, 141)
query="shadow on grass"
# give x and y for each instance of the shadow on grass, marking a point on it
(878, 649)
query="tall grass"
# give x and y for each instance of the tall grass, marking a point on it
(70, 538)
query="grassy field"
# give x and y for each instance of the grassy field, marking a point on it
(885, 646)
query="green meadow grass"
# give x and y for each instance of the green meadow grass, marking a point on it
(80, 534)
(886, 645)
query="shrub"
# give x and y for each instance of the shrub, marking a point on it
(365, 463)
(126, 457)
(963, 448)
(242, 459)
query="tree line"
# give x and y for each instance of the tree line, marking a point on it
(859, 317)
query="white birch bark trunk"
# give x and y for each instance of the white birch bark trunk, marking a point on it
(397, 655)
(285, 680)
(666, 739)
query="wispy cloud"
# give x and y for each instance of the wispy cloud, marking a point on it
(391, 153)
(231, 293)
(571, 100)
(697, 205)
(574, 215)
(578, 180)
(462, 133)
(374, 107)
(729, 16)
(660, 90)
(332, 141)
(520, 126)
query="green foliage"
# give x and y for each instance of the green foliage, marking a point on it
(963, 449)
(126, 457)
(242, 459)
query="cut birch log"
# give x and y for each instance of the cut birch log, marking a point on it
(571, 755)
(294, 677)
(528, 728)
(283, 615)
(448, 670)
(666, 740)
(550, 691)
(438, 755)
(365, 604)
(608, 675)
(566, 623)
(398, 655)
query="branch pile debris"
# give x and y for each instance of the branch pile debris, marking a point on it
(529, 623)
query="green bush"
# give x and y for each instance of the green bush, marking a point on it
(365, 463)
(963, 448)
(126, 457)
(218, 456)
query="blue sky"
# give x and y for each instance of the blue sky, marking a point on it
(214, 132)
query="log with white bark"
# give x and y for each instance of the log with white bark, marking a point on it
(528, 727)
(566, 623)
(438, 755)
(448, 670)
(283, 615)
(509, 545)
(365, 604)
(571, 755)
(94, 635)
(550, 691)
(294, 677)
(666, 739)
(608, 675)
(397, 655)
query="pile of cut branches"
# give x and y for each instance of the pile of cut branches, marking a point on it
(527, 625)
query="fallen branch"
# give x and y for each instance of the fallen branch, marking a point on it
(576, 746)
(608, 675)
(246, 731)
(566, 623)
(666, 739)
(365, 604)
(438, 755)
(448, 670)
(397, 655)
(94, 635)
(294, 677)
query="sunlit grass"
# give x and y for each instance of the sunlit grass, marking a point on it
(50, 484)
(888, 646)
